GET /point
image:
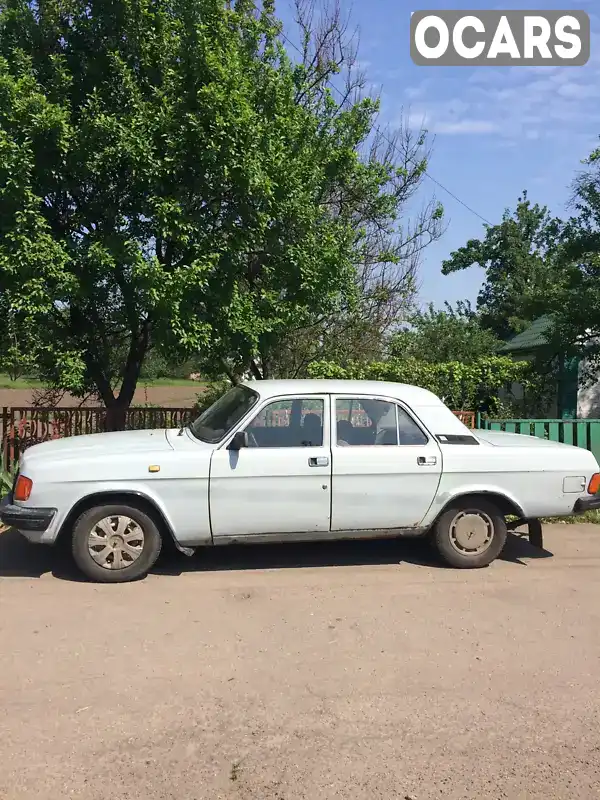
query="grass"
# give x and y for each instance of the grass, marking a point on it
(589, 517)
(33, 383)
(20, 383)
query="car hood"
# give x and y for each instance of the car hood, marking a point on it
(97, 444)
(503, 439)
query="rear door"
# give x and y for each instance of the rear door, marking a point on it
(386, 467)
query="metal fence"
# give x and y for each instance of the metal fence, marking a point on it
(579, 432)
(23, 427)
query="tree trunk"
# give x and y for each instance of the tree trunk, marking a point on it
(116, 415)
(117, 407)
(255, 370)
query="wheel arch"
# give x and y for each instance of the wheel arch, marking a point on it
(131, 497)
(507, 506)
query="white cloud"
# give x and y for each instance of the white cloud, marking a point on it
(500, 75)
(412, 92)
(543, 70)
(578, 91)
(418, 120)
(465, 126)
(487, 75)
(516, 103)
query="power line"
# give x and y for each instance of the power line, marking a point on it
(455, 197)
(395, 147)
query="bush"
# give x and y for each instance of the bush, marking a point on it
(472, 387)
(7, 477)
(212, 392)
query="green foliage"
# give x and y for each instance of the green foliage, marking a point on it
(212, 392)
(521, 272)
(168, 178)
(576, 308)
(463, 387)
(7, 477)
(159, 366)
(444, 336)
(373, 193)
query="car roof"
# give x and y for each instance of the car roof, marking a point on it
(412, 395)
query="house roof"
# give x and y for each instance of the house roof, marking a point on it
(531, 338)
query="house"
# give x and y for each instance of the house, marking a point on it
(574, 397)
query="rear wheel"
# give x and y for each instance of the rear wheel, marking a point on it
(115, 543)
(471, 534)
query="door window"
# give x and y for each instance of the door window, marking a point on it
(296, 422)
(368, 422)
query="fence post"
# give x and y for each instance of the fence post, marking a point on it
(10, 451)
(5, 437)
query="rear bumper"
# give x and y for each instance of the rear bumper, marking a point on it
(586, 504)
(33, 520)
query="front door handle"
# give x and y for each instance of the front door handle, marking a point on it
(426, 461)
(318, 461)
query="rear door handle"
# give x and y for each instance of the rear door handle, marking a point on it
(426, 461)
(318, 461)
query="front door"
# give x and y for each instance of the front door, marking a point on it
(280, 483)
(386, 469)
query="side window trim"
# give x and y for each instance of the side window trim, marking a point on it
(257, 410)
(393, 400)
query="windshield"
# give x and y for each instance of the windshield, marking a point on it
(216, 422)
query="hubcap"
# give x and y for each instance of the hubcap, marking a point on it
(116, 542)
(471, 532)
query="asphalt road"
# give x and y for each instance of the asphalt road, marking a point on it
(350, 671)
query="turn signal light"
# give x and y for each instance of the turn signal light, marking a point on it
(594, 485)
(23, 488)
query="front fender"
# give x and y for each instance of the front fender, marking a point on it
(182, 504)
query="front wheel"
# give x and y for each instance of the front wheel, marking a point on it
(115, 543)
(471, 534)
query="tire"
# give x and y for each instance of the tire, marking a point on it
(470, 534)
(123, 534)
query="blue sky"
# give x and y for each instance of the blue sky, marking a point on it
(496, 131)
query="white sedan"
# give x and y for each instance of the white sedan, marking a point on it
(277, 461)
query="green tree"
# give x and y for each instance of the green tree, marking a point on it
(387, 251)
(437, 336)
(386, 242)
(169, 179)
(519, 259)
(576, 308)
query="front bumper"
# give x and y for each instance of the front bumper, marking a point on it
(586, 504)
(36, 520)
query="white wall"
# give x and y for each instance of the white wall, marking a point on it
(515, 393)
(588, 396)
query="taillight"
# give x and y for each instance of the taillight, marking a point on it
(594, 484)
(23, 488)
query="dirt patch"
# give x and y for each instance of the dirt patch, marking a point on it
(164, 396)
(330, 671)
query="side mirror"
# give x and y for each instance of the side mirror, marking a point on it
(239, 441)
